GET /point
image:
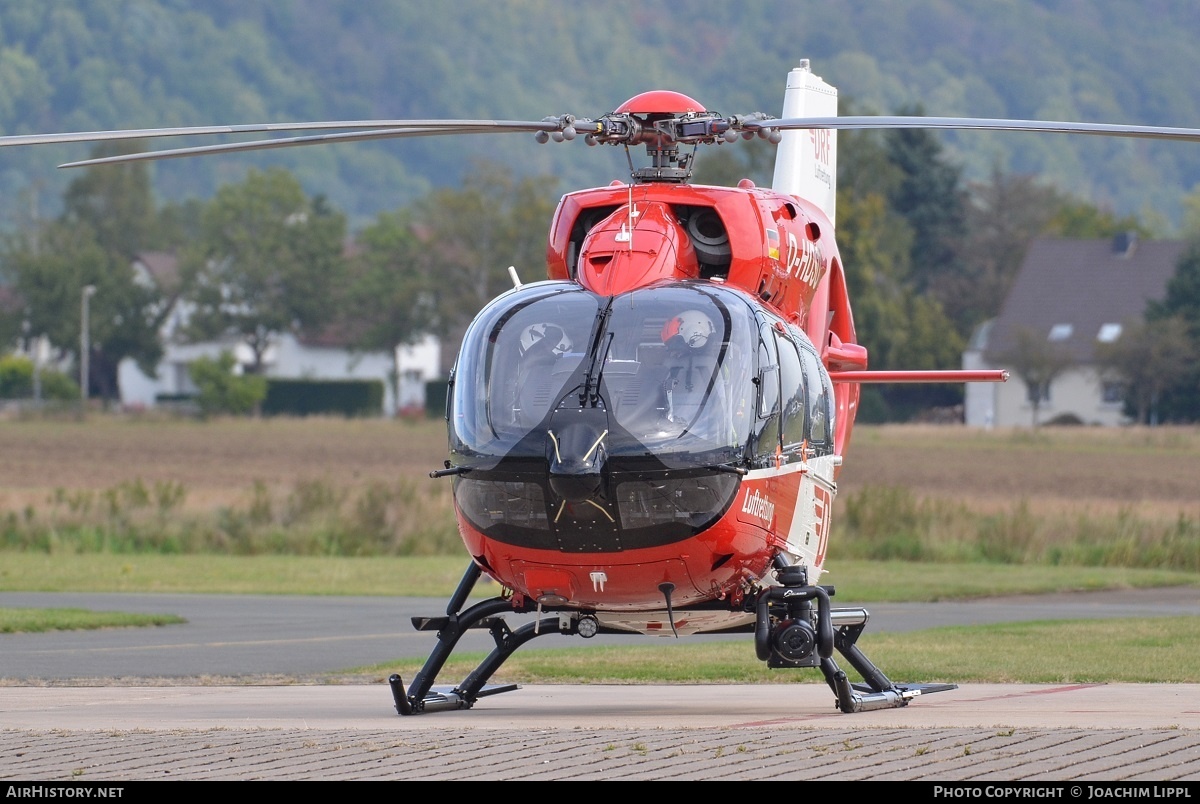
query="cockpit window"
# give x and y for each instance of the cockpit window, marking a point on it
(670, 366)
(795, 402)
(516, 361)
(678, 375)
(820, 399)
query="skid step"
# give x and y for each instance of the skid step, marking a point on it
(438, 623)
(911, 690)
(441, 698)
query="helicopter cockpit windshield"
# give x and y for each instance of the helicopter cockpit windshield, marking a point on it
(668, 369)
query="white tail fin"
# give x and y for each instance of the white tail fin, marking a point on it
(806, 159)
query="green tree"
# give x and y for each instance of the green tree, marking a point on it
(12, 318)
(116, 202)
(17, 381)
(1004, 214)
(269, 261)
(222, 390)
(390, 296)
(901, 328)
(1182, 296)
(1038, 362)
(753, 159)
(871, 242)
(1191, 214)
(1181, 401)
(1079, 219)
(931, 197)
(474, 233)
(1148, 359)
(107, 213)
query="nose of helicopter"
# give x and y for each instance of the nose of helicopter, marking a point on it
(576, 455)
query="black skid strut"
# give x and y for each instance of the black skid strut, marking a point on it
(421, 696)
(787, 634)
(785, 637)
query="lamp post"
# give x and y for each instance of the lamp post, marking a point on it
(33, 347)
(85, 345)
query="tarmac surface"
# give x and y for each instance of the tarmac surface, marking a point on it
(81, 727)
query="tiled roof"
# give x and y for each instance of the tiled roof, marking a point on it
(1076, 287)
(163, 268)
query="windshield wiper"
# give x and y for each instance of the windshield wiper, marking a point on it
(591, 381)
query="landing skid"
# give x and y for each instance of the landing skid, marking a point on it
(784, 636)
(421, 696)
(878, 692)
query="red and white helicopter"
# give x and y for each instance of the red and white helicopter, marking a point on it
(649, 440)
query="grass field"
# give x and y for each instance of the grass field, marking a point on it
(113, 484)
(1155, 472)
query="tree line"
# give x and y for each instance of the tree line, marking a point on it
(929, 257)
(259, 259)
(81, 65)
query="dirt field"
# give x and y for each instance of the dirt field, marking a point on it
(217, 463)
(1085, 469)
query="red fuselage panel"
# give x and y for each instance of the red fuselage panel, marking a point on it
(710, 565)
(628, 250)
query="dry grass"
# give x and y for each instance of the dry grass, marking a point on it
(1150, 473)
(218, 462)
(1053, 475)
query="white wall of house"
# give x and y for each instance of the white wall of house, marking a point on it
(1079, 392)
(980, 399)
(296, 361)
(172, 379)
(288, 358)
(419, 363)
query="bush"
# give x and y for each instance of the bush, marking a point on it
(1064, 420)
(222, 391)
(16, 381)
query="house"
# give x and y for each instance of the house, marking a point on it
(1075, 294)
(321, 356)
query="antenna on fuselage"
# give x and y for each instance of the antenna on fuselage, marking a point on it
(666, 587)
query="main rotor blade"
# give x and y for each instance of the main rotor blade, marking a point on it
(977, 123)
(282, 142)
(467, 126)
(395, 129)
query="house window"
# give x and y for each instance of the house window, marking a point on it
(1112, 393)
(1108, 333)
(1060, 332)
